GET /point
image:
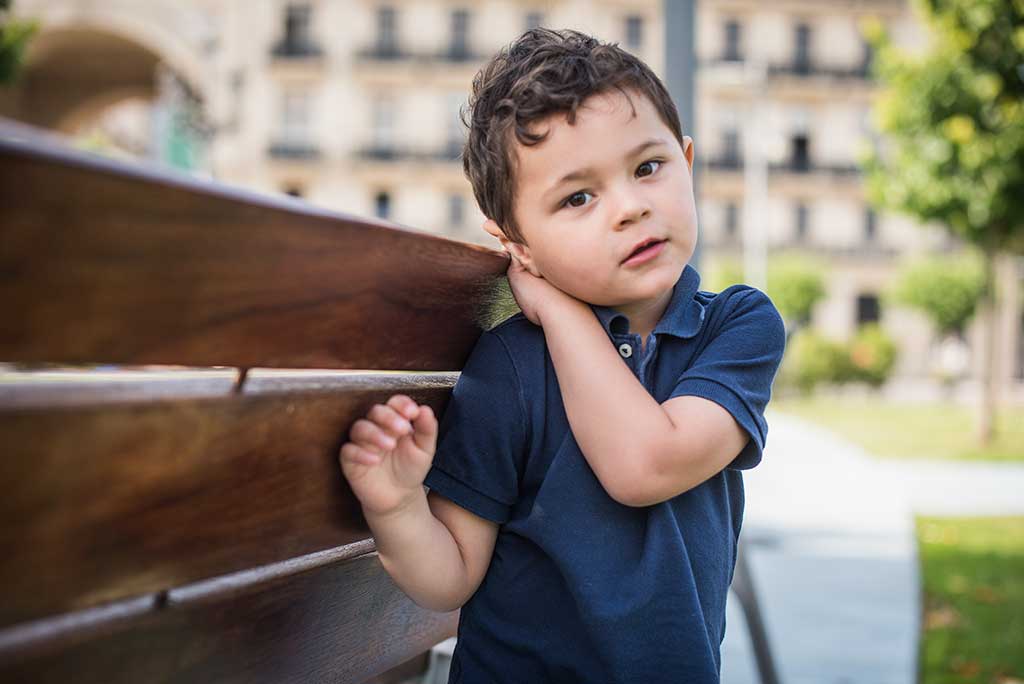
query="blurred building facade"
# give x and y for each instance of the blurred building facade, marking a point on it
(353, 105)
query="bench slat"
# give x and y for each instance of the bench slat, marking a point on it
(112, 262)
(310, 624)
(130, 496)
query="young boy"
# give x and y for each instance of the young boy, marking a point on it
(585, 490)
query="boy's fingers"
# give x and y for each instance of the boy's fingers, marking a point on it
(366, 432)
(390, 420)
(405, 406)
(425, 435)
(355, 454)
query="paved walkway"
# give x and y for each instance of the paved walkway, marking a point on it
(832, 551)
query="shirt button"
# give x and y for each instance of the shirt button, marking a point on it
(625, 350)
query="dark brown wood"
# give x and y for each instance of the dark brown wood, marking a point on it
(331, 620)
(107, 261)
(406, 673)
(195, 525)
(112, 493)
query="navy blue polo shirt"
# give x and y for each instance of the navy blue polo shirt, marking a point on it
(580, 587)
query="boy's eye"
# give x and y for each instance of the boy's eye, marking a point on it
(576, 199)
(651, 164)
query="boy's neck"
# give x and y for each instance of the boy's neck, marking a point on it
(644, 316)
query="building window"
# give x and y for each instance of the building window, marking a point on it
(867, 309)
(802, 222)
(870, 225)
(733, 35)
(731, 223)
(456, 210)
(383, 123)
(800, 158)
(534, 20)
(802, 49)
(387, 38)
(459, 47)
(296, 26)
(731, 147)
(634, 32)
(456, 136)
(382, 205)
(295, 117)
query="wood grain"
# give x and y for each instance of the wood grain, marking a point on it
(106, 261)
(194, 525)
(113, 498)
(338, 621)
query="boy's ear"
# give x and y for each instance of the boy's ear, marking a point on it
(519, 251)
(688, 150)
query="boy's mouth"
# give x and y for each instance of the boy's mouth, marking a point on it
(645, 244)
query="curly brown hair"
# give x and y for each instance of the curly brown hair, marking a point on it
(543, 72)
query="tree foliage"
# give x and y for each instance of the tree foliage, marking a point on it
(953, 122)
(947, 289)
(795, 284)
(14, 37)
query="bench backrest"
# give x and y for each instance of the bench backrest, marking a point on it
(196, 526)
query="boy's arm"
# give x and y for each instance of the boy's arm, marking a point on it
(641, 451)
(434, 550)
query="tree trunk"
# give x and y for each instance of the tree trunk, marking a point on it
(990, 327)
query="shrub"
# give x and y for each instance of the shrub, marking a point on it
(872, 355)
(812, 359)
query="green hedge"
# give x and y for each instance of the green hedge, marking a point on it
(813, 359)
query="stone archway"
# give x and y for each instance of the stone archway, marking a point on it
(73, 72)
(88, 56)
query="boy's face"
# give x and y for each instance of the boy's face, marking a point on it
(630, 180)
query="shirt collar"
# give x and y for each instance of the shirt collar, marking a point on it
(683, 316)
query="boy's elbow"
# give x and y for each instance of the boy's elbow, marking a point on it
(439, 604)
(653, 481)
(640, 497)
(630, 499)
(630, 487)
(637, 497)
(428, 595)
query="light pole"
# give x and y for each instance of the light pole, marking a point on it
(755, 180)
(680, 71)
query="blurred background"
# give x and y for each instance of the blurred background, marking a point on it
(862, 161)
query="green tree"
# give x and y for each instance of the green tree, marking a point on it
(14, 36)
(952, 121)
(795, 285)
(947, 289)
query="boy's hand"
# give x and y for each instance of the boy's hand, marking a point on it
(389, 454)
(534, 294)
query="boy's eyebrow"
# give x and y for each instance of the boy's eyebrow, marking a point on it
(583, 173)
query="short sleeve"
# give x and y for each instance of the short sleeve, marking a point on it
(482, 435)
(738, 365)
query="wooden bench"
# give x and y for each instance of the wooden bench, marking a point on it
(194, 525)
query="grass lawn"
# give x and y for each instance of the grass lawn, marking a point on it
(892, 430)
(973, 622)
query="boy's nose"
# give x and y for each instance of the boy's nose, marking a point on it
(632, 207)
